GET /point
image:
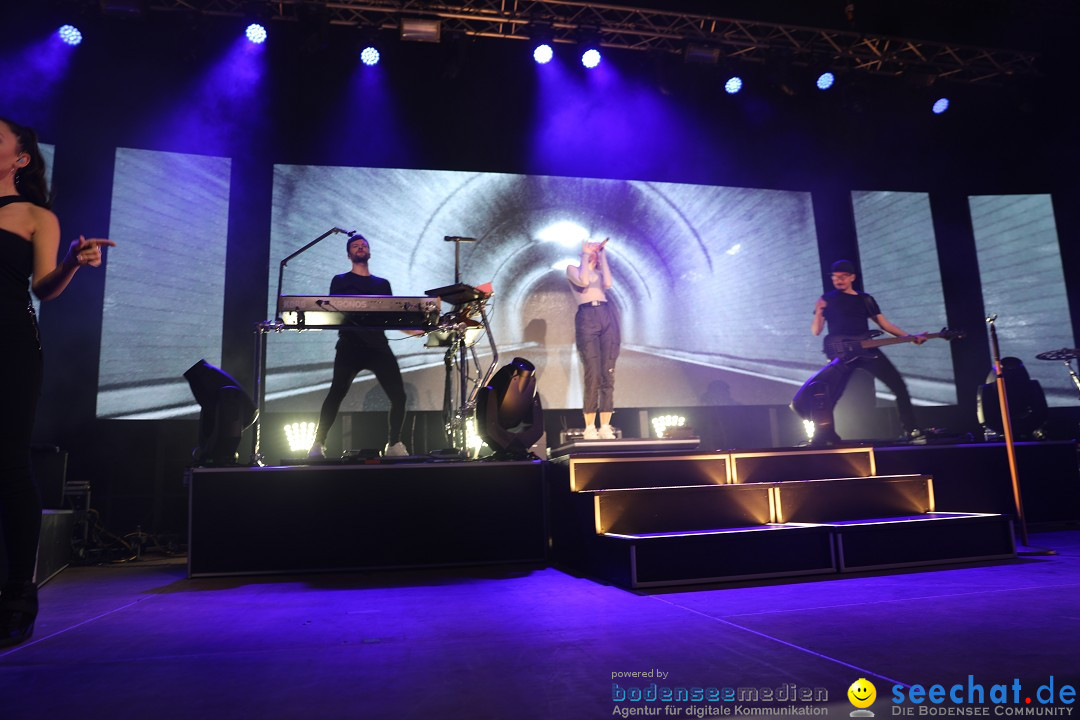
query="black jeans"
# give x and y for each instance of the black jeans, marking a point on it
(596, 331)
(348, 362)
(818, 395)
(20, 504)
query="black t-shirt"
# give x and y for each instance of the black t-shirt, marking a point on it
(848, 314)
(352, 284)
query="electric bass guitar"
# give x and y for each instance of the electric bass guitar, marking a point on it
(852, 347)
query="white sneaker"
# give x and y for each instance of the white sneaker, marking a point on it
(606, 433)
(317, 452)
(591, 433)
(398, 449)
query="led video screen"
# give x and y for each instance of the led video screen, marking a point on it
(1023, 283)
(714, 285)
(899, 260)
(165, 284)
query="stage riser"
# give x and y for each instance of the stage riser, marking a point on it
(682, 508)
(848, 518)
(923, 542)
(614, 472)
(647, 471)
(795, 465)
(280, 520)
(851, 499)
(790, 552)
(781, 552)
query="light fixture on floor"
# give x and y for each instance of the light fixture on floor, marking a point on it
(509, 416)
(226, 412)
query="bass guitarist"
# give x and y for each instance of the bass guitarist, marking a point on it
(846, 311)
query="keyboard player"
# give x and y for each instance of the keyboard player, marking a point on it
(360, 349)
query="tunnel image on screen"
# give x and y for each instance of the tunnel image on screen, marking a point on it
(714, 285)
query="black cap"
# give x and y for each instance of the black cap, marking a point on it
(843, 266)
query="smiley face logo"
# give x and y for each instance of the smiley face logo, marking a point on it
(862, 693)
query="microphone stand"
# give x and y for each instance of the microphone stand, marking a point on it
(261, 330)
(313, 243)
(1006, 422)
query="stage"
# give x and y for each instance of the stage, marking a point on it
(595, 508)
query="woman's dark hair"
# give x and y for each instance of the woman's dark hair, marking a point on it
(30, 180)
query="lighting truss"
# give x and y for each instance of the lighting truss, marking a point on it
(663, 31)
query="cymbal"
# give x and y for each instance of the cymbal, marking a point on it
(1062, 354)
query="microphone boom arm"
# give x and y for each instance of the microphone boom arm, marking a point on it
(281, 267)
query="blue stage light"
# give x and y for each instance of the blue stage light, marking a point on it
(370, 55)
(825, 80)
(543, 54)
(255, 33)
(733, 85)
(590, 58)
(70, 35)
(941, 106)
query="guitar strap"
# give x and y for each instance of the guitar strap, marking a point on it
(868, 303)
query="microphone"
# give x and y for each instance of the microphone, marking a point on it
(457, 239)
(350, 233)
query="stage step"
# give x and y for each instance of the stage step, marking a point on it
(679, 509)
(721, 555)
(638, 470)
(802, 464)
(816, 501)
(645, 521)
(927, 539)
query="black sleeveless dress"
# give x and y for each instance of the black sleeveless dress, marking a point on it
(21, 363)
(17, 321)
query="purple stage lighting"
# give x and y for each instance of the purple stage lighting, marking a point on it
(369, 56)
(543, 54)
(940, 106)
(733, 85)
(825, 80)
(70, 35)
(590, 58)
(255, 33)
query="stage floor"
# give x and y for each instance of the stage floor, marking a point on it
(525, 642)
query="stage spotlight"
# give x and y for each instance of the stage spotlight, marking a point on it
(370, 55)
(300, 436)
(542, 36)
(940, 106)
(69, 35)
(509, 416)
(733, 85)
(663, 424)
(255, 33)
(590, 58)
(543, 54)
(226, 412)
(825, 81)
